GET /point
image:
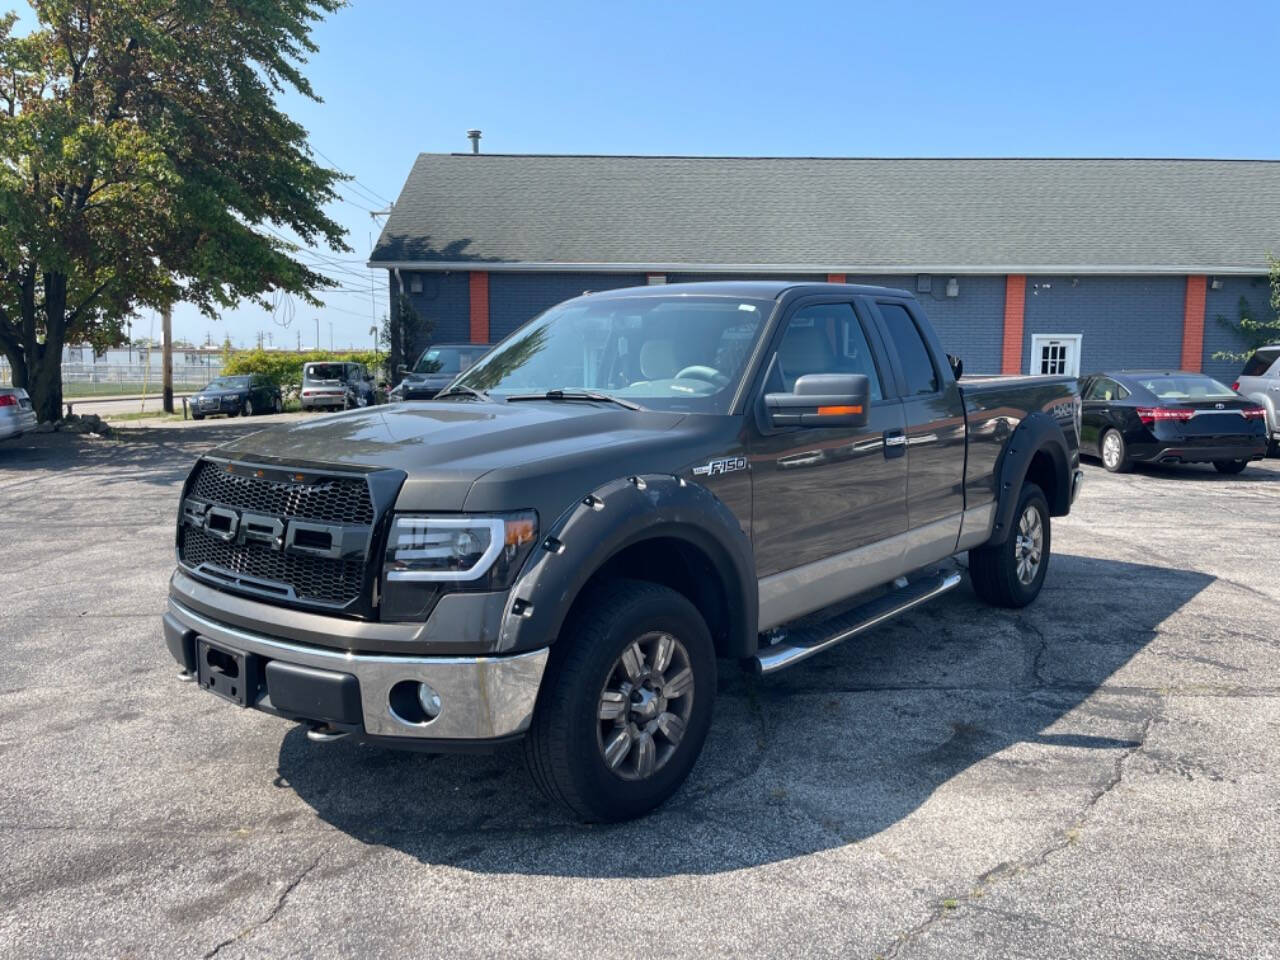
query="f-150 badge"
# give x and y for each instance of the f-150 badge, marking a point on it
(723, 465)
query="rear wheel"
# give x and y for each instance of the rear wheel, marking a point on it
(625, 704)
(278, 407)
(1011, 574)
(1115, 455)
(248, 408)
(197, 416)
(1230, 466)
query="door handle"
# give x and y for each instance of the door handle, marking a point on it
(895, 444)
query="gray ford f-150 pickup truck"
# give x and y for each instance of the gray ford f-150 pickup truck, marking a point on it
(631, 485)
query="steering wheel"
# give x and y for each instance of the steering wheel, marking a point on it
(699, 372)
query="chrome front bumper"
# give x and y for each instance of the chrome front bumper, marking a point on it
(482, 698)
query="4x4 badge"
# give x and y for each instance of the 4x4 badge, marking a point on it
(723, 465)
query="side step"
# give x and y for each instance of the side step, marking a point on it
(803, 642)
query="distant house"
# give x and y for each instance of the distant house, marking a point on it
(1023, 265)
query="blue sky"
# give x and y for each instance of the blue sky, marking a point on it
(827, 79)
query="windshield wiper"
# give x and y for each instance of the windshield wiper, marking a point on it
(576, 395)
(462, 390)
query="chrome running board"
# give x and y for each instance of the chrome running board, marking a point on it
(803, 642)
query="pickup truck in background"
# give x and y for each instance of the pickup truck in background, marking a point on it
(634, 484)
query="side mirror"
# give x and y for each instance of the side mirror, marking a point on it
(401, 369)
(957, 366)
(822, 400)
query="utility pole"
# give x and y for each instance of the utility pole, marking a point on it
(331, 336)
(317, 333)
(166, 332)
(299, 341)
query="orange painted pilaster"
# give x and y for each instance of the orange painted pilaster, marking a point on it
(479, 306)
(1193, 324)
(835, 278)
(1015, 302)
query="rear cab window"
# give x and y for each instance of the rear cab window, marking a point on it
(917, 366)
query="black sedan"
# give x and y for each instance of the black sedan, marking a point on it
(248, 394)
(1151, 416)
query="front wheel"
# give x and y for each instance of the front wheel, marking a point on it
(625, 704)
(1230, 466)
(248, 408)
(1011, 574)
(278, 406)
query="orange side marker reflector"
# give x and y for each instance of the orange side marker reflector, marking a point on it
(840, 411)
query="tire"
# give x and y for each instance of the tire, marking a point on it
(998, 576)
(1117, 462)
(248, 410)
(565, 749)
(197, 416)
(1230, 467)
(278, 406)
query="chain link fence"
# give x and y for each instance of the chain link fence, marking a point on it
(107, 379)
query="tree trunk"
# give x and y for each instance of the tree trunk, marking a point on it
(38, 368)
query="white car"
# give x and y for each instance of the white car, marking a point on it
(16, 413)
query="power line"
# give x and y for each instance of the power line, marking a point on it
(376, 197)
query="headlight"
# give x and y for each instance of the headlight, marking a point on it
(481, 552)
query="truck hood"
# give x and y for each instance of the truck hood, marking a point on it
(446, 447)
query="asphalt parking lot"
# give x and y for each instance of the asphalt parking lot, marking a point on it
(1096, 775)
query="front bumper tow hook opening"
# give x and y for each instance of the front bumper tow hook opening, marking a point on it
(325, 734)
(186, 677)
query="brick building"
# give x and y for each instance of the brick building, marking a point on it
(1021, 264)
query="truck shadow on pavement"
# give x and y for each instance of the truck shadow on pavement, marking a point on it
(827, 754)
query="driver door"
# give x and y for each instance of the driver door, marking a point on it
(820, 492)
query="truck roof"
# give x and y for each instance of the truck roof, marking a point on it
(759, 289)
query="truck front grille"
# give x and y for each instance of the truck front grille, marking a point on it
(328, 500)
(312, 579)
(266, 531)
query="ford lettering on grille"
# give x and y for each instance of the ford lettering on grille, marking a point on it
(269, 532)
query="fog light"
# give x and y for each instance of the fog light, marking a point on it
(429, 700)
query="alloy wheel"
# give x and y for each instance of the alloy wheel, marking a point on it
(1029, 545)
(645, 706)
(1111, 450)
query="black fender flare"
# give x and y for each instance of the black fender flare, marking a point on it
(615, 516)
(1037, 433)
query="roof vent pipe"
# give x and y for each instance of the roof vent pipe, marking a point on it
(474, 137)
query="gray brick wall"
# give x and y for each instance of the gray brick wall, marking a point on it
(1226, 303)
(1125, 321)
(515, 298)
(445, 299)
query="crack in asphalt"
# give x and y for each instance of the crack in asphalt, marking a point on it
(275, 910)
(1011, 868)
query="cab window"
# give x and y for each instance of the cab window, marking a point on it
(917, 366)
(823, 338)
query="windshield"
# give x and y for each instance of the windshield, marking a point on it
(228, 383)
(448, 360)
(1183, 387)
(666, 353)
(326, 371)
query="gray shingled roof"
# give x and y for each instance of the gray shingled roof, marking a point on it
(856, 215)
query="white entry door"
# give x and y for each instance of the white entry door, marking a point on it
(1056, 354)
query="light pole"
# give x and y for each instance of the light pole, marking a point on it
(331, 336)
(317, 333)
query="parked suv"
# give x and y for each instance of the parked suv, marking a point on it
(438, 366)
(1260, 382)
(337, 386)
(635, 483)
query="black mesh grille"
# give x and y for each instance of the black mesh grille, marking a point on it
(329, 500)
(318, 579)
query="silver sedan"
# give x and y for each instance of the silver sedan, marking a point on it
(16, 414)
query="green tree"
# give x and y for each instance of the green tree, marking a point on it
(143, 161)
(1254, 330)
